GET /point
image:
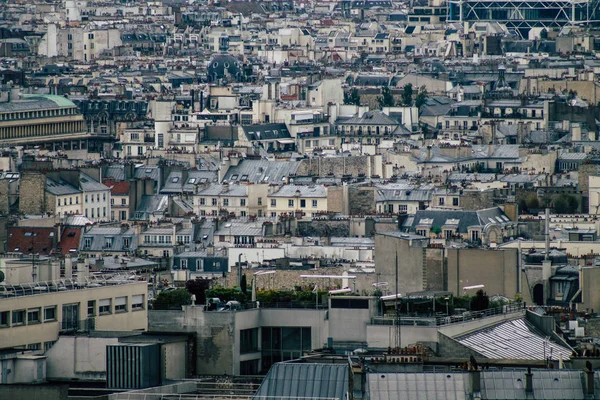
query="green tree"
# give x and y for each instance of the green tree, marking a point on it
(226, 294)
(386, 99)
(421, 97)
(352, 97)
(565, 204)
(173, 298)
(198, 288)
(407, 94)
(480, 301)
(1, 276)
(436, 230)
(532, 202)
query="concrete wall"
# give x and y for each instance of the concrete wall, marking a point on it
(496, 269)
(477, 200)
(382, 336)
(410, 262)
(78, 357)
(436, 272)
(339, 166)
(173, 355)
(590, 295)
(28, 392)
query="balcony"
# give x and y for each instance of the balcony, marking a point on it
(73, 326)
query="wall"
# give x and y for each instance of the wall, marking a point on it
(436, 271)
(477, 200)
(78, 357)
(361, 200)
(28, 392)
(410, 262)
(382, 336)
(339, 166)
(448, 347)
(32, 192)
(590, 295)
(48, 331)
(496, 269)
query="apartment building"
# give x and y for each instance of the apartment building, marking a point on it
(311, 200)
(33, 317)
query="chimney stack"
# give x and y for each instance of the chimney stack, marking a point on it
(589, 375)
(528, 381)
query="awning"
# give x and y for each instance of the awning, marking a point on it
(286, 141)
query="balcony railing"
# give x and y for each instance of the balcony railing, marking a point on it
(71, 326)
(450, 319)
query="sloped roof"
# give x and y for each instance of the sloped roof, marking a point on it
(370, 118)
(516, 339)
(418, 385)
(261, 171)
(465, 218)
(310, 381)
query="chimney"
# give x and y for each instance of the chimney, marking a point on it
(589, 375)
(475, 381)
(192, 93)
(528, 381)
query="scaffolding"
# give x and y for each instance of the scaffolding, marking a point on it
(523, 15)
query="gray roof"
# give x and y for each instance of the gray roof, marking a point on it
(241, 228)
(384, 194)
(151, 205)
(114, 171)
(310, 381)
(370, 118)
(99, 233)
(89, 184)
(516, 339)
(266, 131)
(547, 384)
(463, 219)
(147, 171)
(218, 189)
(303, 191)
(61, 188)
(418, 385)
(36, 102)
(262, 171)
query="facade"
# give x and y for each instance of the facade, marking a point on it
(311, 200)
(49, 121)
(524, 16)
(35, 320)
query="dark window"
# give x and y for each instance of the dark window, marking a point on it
(350, 303)
(248, 340)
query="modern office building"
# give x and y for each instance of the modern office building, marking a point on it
(522, 16)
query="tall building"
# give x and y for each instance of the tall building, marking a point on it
(50, 121)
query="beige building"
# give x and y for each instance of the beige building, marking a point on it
(41, 119)
(311, 200)
(34, 319)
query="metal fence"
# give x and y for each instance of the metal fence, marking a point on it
(451, 319)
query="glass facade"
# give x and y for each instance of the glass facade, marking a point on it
(281, 344)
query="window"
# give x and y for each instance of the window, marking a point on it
(87, 242)
(273, 214)
(126, 242)
(314, 203)
(226, 202)
(248, 340)
(108, 242)
(474, 236)
(4, 318)
(455, 201)
(48, 345)
(137, 302)
(290, 203)
(104, 306)
(214, 202)
(402, 208)
(441, 201)
(121, 304)
(273, 203)
(34, 346)
(33, 316)
(243, 202)
(123, 202)
(302, 203)
(91, 308)
(448, 233)
(18, 317)
(184, 264)
(202, 201)
(260, 201)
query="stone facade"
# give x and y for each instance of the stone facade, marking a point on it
(32, 199)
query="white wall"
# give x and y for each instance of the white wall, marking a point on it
(78, 357)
